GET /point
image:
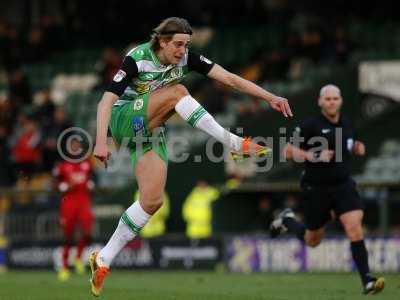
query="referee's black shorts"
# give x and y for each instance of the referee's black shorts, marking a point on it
(318, 202)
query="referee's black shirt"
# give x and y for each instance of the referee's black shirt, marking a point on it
(337, 170)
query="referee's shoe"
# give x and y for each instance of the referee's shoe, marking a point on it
(277, 227)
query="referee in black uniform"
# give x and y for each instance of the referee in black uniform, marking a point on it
(326, 143)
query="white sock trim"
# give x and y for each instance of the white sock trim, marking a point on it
(132, 220)
(193, 113)
(186, 106)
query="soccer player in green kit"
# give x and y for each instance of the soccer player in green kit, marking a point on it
(144, 94)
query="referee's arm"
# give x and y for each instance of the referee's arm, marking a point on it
(359, 148)
(291, 152)
(297, 154)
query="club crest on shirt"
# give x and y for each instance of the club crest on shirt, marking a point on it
(206, 60)
(119, 76)
(138, 104)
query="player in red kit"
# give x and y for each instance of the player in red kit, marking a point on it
(74, 181)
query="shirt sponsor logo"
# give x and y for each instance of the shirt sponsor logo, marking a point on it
(119, 76)
(324, 131)
(206, 60)
(138, 124)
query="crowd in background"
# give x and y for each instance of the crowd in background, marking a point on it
(29, 128)
(30, 122)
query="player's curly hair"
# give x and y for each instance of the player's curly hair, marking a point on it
(167, 28)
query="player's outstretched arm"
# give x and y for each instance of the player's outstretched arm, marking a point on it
(103, 119)
(277, 103)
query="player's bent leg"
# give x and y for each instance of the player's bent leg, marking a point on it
(352, 224)
(163, 103)
(313, 238)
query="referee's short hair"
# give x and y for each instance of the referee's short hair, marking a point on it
(329, 86)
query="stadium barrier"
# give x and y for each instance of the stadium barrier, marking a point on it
(249, 253)
(241, 253)
(3, 253)
(34, 238)
(170, 252)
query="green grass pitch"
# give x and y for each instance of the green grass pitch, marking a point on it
(154, 285)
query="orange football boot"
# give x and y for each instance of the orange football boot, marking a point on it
(250, 149)
(99, 274)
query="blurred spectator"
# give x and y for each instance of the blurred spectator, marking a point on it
(25, 144)
(7, 173)
(276, 65)
(3, 43)
(214, 97)
(264, 216)
(59, 123)
(197, 210)
(10, 45)
(292, 45)
(312, 44)
(341, 45)
(108, 65)
(54, 33)
(7, 115)
(45, 108)
(35, 48)
(19, 88)
(292, 202)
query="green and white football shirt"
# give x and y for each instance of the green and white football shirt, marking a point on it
(142, 72)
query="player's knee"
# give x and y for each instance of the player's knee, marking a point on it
(151, 205)
(179, 91)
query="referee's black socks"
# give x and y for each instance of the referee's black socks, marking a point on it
(295, 227)
(360, 257)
